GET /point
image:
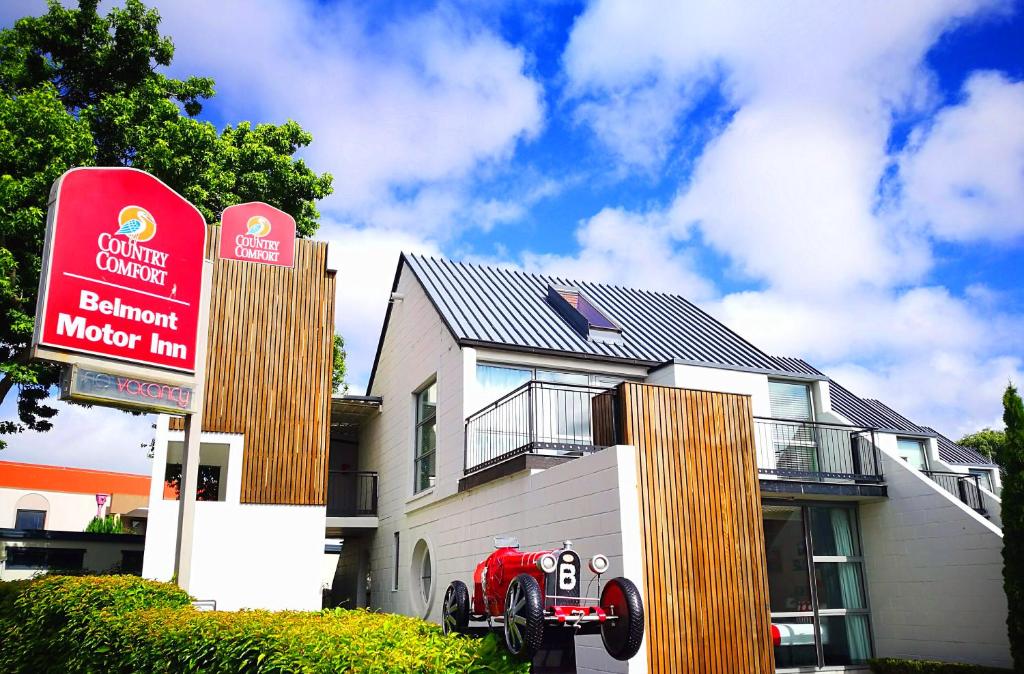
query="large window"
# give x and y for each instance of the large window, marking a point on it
(30, 519)
(426, 437)
(790, 400)
(816, 585)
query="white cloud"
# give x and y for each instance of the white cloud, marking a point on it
(963, 176)
(366, 260)
(95, 437)
(788, 191)
(421, 100)
(621, 247)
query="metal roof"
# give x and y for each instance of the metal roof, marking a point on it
(951, 452)
(507, 308)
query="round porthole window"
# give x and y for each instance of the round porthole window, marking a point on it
(423, 574)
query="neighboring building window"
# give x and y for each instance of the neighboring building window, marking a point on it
(131, 562)
(816, 585)
(394, 577)
(45, 559)
(912, 451)
(790, 400)
(984, 478)
(426, 437)
(30, 519)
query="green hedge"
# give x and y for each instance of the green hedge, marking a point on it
(894, 666)
(127, 624)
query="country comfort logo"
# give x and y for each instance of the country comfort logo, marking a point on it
(253, 246)
(257, 226)
(136, 223)
(121, 253)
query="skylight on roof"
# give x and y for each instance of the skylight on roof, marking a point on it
(582, 315)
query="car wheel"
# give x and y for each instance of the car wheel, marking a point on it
(455, 609)
(622, 636)
(524, 617)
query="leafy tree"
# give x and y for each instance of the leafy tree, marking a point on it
(108, 524)
(986, 441)
(338, 368)
(1013, 521)
(78, 88)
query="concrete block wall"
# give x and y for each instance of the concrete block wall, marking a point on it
(934, 573)
(586, 501)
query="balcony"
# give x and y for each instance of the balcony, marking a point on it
(964, 487)
(540, 419)
(351, 493)
(816, 452)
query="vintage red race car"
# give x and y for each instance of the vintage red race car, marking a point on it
(526, 593)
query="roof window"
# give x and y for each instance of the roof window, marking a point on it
(583, 316)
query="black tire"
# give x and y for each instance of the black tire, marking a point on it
(455, 608)
(524, 617)
(622, 636)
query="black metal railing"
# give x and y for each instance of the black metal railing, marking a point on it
(351, 493)
(964, 487)
(541, 418)
(820, 452)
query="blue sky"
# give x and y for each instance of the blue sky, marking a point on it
(839, 181)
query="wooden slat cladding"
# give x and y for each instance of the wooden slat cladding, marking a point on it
(269, 371)
(706, 581)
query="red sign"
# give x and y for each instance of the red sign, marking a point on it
(257, 232)
(122, 270)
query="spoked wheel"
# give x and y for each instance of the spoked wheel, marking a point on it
(524, 617)
(622, 636)
(455, 609)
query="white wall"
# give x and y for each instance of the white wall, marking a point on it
(66, 511)
(934, 572)
(718, 380)
(244, 555)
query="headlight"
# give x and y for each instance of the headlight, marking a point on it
(547, 563)
(598, 564)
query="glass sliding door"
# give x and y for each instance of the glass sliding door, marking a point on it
(789, 586)
(816, 585)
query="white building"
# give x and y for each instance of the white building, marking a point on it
(480, 420)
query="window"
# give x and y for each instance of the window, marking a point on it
(131, 562)
(583, 316)
(795, 444)
(790, 400)
(394, 577)
(816, 585)
(30, 519)
(53, 559)
(984, 478)
(208, 488)
(426, 438)
(913, 452)
(423, 570)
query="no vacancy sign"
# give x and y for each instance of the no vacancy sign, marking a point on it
(122, 269)
(257, 232)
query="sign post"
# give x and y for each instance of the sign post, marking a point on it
(190, 453)
(123, 303)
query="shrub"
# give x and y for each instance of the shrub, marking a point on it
(126, 624)
(108, 524)
(894, 666)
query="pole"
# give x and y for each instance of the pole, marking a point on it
(190, 453)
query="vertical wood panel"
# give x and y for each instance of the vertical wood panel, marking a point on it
(703, 540)
(269, 370)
